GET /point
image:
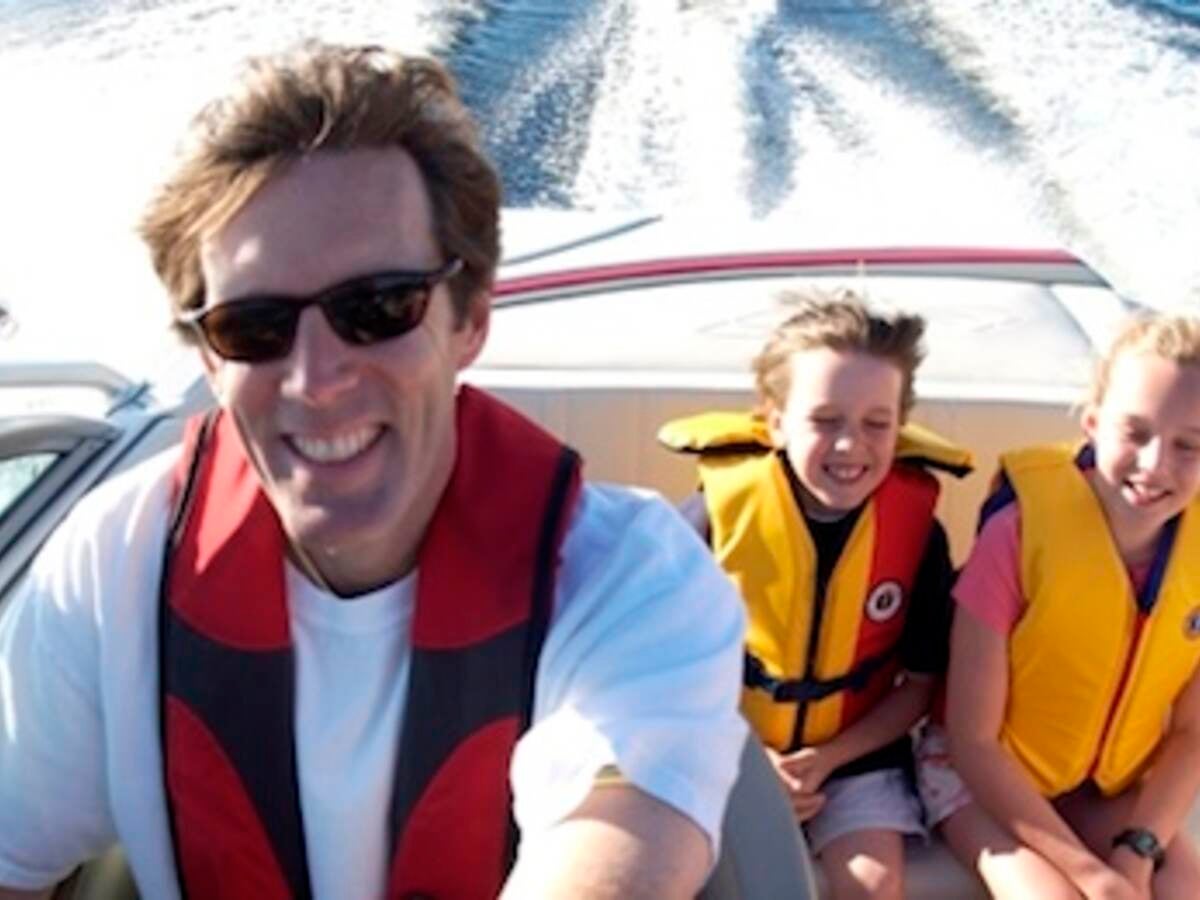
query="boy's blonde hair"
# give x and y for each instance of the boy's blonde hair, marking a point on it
(839, 320)
(1171, 337)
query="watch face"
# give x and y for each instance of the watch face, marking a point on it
(1144, 843)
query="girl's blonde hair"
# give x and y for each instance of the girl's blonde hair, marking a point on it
(1171, 337)
(839, 320)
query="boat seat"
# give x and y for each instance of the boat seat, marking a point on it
(932, 873)
(763, 854)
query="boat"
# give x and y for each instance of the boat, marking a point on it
(604, 328)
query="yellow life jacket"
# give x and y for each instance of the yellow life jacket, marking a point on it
(1092, 675)
(803, 688)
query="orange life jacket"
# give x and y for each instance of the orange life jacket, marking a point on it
(1094, 670)
(814, 664)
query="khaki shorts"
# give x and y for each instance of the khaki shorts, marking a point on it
(880, 800)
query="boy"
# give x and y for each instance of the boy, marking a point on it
(822, 510)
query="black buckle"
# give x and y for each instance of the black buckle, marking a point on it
(807, 690)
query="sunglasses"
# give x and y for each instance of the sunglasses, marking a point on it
(363, 310)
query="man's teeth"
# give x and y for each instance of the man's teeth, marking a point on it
(335, 449)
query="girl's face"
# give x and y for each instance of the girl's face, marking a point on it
(839, 427)
(1146, 434)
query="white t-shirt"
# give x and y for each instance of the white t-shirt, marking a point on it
(641, 669)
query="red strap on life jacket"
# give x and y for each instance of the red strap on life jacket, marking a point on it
(905, 504)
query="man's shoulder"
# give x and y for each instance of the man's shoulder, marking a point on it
(122, 506)
(612, 518)
(629, 544)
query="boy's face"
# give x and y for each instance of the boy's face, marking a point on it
(839, 427)
(1146, 434)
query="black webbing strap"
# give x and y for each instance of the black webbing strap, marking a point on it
(807, 690)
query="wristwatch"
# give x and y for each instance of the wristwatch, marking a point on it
(1144, 843)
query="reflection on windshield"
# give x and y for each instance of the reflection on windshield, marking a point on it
(17, 475)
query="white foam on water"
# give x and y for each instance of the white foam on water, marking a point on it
(91, 124)
(1010, 121)
(1105, 96)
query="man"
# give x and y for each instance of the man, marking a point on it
(309, 653)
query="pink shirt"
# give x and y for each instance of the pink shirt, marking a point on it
(989, 586)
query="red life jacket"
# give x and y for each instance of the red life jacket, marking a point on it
(485, 591)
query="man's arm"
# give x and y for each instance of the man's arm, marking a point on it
(640, 674)
(620, 843)
(51, 731)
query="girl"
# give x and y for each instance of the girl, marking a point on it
(1073, 708)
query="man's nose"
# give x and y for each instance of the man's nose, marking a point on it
(321, 364)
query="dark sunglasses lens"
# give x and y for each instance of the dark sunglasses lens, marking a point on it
(251, 332)
(371, 313)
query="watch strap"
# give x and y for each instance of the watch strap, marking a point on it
(1144, 843)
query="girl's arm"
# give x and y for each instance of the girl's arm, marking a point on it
(977, 693)
(1168, 792)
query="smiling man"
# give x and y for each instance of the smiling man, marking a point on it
(367, 632)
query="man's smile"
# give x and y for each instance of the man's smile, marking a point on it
(336, 448)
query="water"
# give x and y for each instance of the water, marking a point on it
(1020, 121)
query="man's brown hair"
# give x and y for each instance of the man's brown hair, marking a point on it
(327, 98)
(838, 320)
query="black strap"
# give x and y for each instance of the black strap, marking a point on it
(807, 690)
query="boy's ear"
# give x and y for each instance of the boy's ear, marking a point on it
(774, 419)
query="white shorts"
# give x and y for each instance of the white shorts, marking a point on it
(942, 791)
(874, 800)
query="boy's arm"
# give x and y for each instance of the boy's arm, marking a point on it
(890, 718)
(923, 658)
(1168, 792)
(977, 693)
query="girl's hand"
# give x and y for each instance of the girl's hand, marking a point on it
(1137, 869)
(1106, 883)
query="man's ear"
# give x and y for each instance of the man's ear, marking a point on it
(474, 329)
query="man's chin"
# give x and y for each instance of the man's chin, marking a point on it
(320, 531)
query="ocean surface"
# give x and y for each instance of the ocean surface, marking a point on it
(1018, 121)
